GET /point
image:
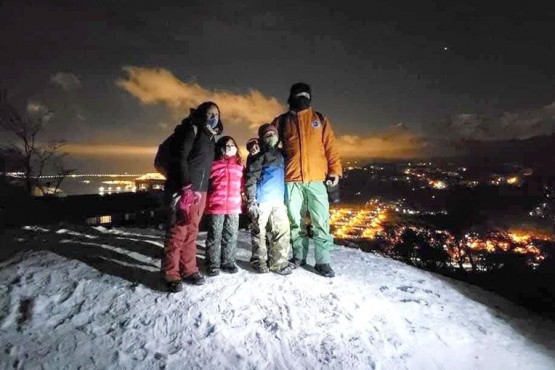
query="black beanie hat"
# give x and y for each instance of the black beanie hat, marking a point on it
(252, 142)
(262, 130)
(299, 87)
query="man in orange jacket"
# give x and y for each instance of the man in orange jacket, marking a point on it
(311, 157)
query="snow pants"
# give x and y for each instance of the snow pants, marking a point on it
(271, 218)
(221, 240)
(311, 197)
(180, 246)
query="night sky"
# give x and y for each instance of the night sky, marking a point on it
(397, 79)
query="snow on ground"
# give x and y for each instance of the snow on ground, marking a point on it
(92, 298)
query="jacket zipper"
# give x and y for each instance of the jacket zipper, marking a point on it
(298, 124)
(201, 180)
(228, 187)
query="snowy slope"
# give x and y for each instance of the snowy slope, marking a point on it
(91, 298)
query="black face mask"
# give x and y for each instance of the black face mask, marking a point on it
(299, 103)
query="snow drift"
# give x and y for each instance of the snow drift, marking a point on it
(92, 298)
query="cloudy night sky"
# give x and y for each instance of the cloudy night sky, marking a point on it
(397, 79)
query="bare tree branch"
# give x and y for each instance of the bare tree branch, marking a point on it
(36, 157)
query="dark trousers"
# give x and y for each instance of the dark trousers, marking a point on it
(221, 240)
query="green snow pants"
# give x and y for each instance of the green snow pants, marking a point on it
(311, 197)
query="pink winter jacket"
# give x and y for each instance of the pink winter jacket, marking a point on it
(224, 189)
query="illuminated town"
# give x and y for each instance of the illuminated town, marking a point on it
(411, 191)
(422, 192)
(381, 223)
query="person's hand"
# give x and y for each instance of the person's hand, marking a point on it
(333, 179)
(197, 197)
(252, 210)
(175, 200)
(185, 199)
(255, 149)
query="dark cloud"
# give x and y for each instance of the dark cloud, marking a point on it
(504, 126)
(368, 68)
(66, 80)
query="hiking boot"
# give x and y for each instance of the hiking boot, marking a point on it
(324, 269)
(260, 267)
(213, 271)
(230, 269)
(174, 286)
(296, 262)
(194, 279)
(285, 270)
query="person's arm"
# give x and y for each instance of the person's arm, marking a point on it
(252, 175)
(180, 149)
(244, 172)
(278, 122)
(330, 148)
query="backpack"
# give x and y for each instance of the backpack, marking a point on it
(163, 155)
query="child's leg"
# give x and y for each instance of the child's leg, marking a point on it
(229, 239)
(214, 240)
(280, 246)
(258, 234)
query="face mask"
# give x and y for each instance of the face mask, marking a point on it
(212, 122)
(230, 152)
(299, 103)
(271, 141)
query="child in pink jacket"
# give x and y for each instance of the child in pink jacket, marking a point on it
(223, 206)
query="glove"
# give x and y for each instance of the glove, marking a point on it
(333, 179)
(183, 201)
(333, 189)
(252, 210)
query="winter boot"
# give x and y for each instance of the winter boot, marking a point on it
(296, 262)
(230, 268)
(194, 279)
(213, 271)
(324, 269)
(285, 270)
(174, 286)
(260, 267)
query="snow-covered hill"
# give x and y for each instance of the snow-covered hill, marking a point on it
(92, 299)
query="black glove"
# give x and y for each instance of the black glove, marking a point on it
(333, 190)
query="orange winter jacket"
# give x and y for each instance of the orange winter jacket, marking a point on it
(309, 146)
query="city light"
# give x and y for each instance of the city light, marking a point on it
(368, 223)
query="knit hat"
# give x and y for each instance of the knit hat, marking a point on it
(300, 87)
(252, 142)
(262, 130)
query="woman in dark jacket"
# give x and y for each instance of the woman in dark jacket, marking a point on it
(192, 153)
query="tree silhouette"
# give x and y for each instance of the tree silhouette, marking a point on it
(431, 253)
(406, 248)
(32, 157)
